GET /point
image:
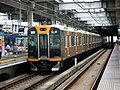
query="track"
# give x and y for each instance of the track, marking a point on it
(24, 82)
(70, 79)
(87, 80)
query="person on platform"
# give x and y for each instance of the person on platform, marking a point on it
(8, 48)
(15, 48)
(1, 44)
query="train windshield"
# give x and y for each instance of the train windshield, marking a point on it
(32, 43)
(54, 38)
(43, 41)
(55, 50)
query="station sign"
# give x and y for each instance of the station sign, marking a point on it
(1, 33)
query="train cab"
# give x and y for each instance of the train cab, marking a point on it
(44, 46)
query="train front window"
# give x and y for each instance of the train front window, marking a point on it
(55, 50)
(32, 43)
(43, 41)
(54, 38)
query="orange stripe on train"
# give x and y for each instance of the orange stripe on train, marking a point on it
(55, 59)
(32, 60)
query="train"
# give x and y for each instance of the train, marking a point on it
(54, 47)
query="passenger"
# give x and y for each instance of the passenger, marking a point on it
(21, 43)
(1, 44)
(117, 41)
(8, 48)
(15, 48)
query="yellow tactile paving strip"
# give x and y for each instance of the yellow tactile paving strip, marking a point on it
(11, 59)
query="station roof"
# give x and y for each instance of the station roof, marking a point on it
(102, 15)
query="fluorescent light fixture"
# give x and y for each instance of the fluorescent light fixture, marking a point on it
(2, 14)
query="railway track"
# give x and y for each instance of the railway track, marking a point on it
(23, 82)
(87, 79)
(53, 83)
(62, 81)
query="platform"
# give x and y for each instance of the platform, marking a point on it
(111, 76)
(10, 60)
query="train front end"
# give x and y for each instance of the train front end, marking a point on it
(44, 51)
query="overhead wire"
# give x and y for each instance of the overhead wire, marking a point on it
(58, 7)
(84, 8)
(48, 9)
(96, 14)
(63, 9)
(86, 11)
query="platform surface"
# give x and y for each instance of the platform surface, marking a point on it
(111, 76)
(10, 60)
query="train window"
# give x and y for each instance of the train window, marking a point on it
(32, 32)
(69, 40)
(54, 38)
(54, 41)
(66, 41)
(54, 31)
(79, 40)
(72, 40)
(32, 41)
(43, 41)
(86, 38)
(32, 46)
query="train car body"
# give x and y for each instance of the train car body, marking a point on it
(50, 47)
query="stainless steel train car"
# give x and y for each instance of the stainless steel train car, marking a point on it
(52, 47)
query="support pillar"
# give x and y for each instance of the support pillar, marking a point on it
(111, 39)
(30, 19)
(53, 21)
(117, 5)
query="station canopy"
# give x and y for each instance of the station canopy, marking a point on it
(92, 12)
(83, 14)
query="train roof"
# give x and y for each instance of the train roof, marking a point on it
(62, 27)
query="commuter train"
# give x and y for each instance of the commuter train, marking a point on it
(53, 47)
